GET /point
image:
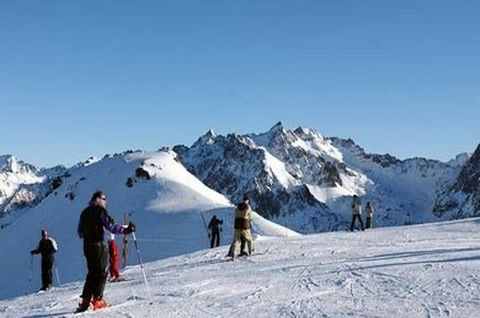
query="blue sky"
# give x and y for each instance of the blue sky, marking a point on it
(81, 78)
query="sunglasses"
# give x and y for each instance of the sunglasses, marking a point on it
(103, 198)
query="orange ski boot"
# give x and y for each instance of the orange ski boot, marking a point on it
(99, 303)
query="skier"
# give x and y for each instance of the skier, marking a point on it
(114, 259)
(47, 248)
(242, 225)
(356, 212)
(369, 210)
(93, 220)
(216, 228)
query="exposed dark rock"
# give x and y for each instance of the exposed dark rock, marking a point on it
(142, 173)
(469, 179)
(462, 199)
(56, 183)
(331, 176)
(384, 160)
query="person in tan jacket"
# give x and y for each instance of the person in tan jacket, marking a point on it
(242, 225)
(356, 212)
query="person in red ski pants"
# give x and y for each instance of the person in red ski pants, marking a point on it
(114, 258)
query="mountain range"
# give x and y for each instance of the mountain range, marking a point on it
(297, 178)
(305, 181)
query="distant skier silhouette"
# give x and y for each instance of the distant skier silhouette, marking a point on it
(47, 247)
(215, 226)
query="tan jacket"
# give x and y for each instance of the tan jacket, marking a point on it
(242, 218)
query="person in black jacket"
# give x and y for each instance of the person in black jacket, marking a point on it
(47, 248)
(93, 220)
(216, 228)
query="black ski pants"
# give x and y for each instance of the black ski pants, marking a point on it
(47, 264)
(97, 261)
(368, 224)
(215, 240)
(356, 216)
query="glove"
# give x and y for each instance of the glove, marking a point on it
(130, 228)
(32, 252)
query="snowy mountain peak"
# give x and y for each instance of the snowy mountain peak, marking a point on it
(207, 138)
(277, 136)
(278, 127)
(89, 161)
(18, 183)
(459, 160)
(5, 161)
(348, 146)
(211, 133)
(308, 133)
(384, 160)
(9, 163)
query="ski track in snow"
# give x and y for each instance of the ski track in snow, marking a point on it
(418, 271)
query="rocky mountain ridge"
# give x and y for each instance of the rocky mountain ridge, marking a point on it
(297, 178)
(304, 180)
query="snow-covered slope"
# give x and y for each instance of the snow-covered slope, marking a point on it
(415, 271)
(168, 204)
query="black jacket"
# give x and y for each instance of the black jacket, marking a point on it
(46, 247)
(92, 222)
(214, 224)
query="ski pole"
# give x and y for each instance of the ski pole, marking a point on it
(141, 267)
(206, 228)
(58, 276)
(125, 242)
(30, 274)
